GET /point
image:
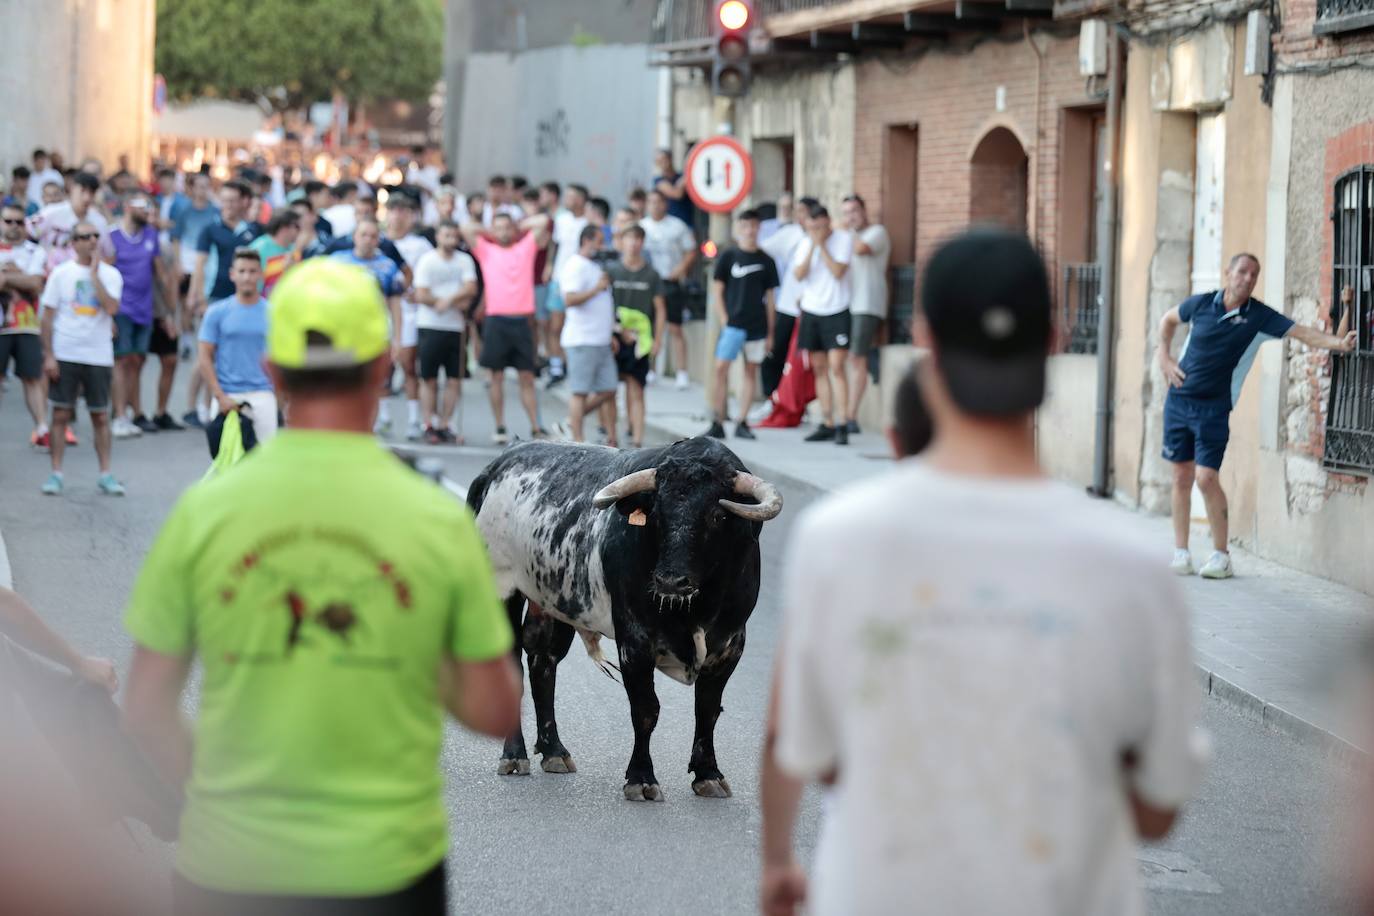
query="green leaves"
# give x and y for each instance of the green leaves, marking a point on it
(293, 52)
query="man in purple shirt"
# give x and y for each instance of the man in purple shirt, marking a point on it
(133, 248)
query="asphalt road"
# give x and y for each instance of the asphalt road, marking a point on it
(1255, 841)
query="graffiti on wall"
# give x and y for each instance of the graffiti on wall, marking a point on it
(551, 135)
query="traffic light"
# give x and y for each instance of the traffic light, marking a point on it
(730, 27)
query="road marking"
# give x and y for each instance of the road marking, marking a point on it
(454, 487)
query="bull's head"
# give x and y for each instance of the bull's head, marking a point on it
(690, 506)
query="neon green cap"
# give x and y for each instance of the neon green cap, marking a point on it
(326, 315)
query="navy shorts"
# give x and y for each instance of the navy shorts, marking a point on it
(131, 339)
(1196, 431)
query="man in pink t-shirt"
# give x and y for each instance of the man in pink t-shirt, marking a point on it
(506, 253)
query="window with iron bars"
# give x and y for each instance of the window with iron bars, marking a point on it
(1350, 411)
(1080, 307)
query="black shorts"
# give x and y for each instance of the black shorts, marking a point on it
(428, 896)
(25, 351)
(161, 344)
(824, 332)
(82, 380)
(675, 296)
(507, 343)
(440, 350)
(630, 366)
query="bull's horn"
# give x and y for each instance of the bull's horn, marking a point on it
(769, 499)
(639, 482)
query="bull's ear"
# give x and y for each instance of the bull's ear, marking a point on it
(638, 502)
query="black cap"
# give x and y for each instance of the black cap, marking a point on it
(987, 299)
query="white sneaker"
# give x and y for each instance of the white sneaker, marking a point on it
(683, 382)
(413, 431)
(124, 429)
(382, 426)
(650, 377)
(1182, 564)
(1218, 566)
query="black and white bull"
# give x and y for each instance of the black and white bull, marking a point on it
(672, 575)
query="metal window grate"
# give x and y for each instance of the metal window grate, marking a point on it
(1350, 411)
(1343, 16)
(1080, 307)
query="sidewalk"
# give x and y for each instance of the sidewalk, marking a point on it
(1273, 642)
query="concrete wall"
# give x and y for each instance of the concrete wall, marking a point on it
(79, 78)
(570, 114)
(1064, 425)
(813, 109)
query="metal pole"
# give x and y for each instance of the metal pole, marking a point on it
(1106, 256)
(723, 111)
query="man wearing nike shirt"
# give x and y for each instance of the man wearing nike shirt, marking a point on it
(742, 293)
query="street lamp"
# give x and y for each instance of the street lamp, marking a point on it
(730, 27)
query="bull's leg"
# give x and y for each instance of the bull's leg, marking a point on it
(546, 642)
(707, 780)
(637, 673)
(514, 759)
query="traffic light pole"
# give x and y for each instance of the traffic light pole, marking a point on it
(723, 113)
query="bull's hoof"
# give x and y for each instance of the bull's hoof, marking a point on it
(712, 788)
(513, 767)
(552, 764)
(635, 791)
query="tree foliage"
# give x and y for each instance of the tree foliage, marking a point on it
(293, 52)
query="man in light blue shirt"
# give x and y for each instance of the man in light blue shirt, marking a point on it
(233, 339)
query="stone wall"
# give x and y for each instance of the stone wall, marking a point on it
(80, 80)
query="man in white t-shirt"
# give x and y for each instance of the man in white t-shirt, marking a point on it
(868, 298)
(402, 213)
(79, 304)
(588, 335)
(781, 246)
(672, 249)
(1035, 712)
(445, 285)
(53, 225)
(568, 224)
(822, 265)
(22, 270)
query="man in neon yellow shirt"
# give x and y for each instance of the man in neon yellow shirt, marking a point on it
(338, 603)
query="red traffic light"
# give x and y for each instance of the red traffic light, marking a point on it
(734, 15)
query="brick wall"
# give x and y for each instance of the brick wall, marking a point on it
(951, 96)
(1296, 45)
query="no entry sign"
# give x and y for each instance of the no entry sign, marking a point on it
(719, 174)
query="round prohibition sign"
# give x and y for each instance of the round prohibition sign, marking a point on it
(720, 174)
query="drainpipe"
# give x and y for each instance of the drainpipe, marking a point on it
(1106, 257)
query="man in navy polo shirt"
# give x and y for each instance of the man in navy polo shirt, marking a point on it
(1226, 328)
(227, 234)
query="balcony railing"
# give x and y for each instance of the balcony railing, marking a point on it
(1343, 16)
(1080, 307)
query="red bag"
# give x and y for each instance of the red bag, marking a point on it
(795, 391)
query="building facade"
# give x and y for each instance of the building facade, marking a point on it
(94, 59)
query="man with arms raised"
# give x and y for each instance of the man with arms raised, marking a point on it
(508, 254)
(337, 603)
(1027, 791)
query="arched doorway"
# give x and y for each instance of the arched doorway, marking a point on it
(998, 181)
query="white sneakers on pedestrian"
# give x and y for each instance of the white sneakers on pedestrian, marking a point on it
(122, 428)
(414, 433)
(683, 382)
(1183, 563)
(1218, 566)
